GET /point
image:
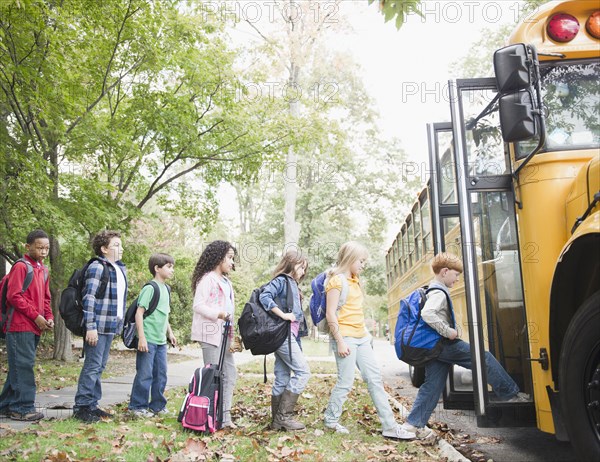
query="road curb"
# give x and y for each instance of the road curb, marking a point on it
(446, 449)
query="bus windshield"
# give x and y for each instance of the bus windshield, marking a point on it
(571, 96)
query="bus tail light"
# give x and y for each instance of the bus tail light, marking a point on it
(593, 24)
(563, 27)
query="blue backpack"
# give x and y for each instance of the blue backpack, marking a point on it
(416, 341)
(318, 299)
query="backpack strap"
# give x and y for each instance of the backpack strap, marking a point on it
(450, 306)
(344, 291)
(26, 283)
(155, 298)
(104, 280)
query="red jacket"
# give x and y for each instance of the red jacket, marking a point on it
(35, 300)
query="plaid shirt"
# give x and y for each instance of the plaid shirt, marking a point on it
(101, 314)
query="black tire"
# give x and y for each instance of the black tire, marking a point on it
(579, 379)
(417, 375)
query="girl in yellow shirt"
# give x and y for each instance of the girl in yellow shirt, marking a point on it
(353, 343)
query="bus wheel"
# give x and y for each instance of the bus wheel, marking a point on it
(579, 379)
(417, 375)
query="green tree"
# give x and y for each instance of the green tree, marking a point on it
(109, 105)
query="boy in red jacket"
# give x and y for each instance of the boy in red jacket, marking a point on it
(29, 314)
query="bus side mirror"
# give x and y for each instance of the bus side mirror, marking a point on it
(517, 116)
(514, 67)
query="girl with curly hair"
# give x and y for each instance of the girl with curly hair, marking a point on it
(213, 305)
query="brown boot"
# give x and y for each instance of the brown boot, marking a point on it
(274, 407)
(283, 418)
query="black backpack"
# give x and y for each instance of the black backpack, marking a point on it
(6, 311)
(130, 338)
(262, 331)
(71, 304)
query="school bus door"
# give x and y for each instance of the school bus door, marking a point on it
(490, 251)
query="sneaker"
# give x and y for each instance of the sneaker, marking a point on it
(401, 432)
(86, 415)
(4, 412)
(27, 416)
(425, 433)
(337, 427)
(520, 398)
(229, 425)
(162, 413)
(142, 413)
(100, 413)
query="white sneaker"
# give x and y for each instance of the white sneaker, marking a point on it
(142, 413)
(426, 433)
(519, 398)
(338, 428)
(401, 432)
(162, 413)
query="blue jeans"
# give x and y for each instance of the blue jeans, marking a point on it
(89, 386)
(361, 355)
(436, 371)
(284, 366)
(150, 379)
(18, 394)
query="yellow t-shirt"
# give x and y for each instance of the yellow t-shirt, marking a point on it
(351, 317)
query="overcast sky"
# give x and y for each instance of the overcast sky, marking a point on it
(406, 71)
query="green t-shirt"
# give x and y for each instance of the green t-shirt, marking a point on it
(155, 325)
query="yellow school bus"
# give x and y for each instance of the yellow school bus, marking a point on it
(514, 190)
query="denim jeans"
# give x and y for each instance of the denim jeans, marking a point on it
(150, 379)
(457, 352)
(210, 355)
(89, 386)
(361, 355)
(18, 394)
(284, 366)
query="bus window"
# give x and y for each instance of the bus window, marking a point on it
(426, 224)
(398, 256)
(398, 259)
(417, 226)
(485, 148)
(447, 174)
(405, 249)
(410, 238)
(572, 106)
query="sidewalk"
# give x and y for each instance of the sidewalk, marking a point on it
(57, 403)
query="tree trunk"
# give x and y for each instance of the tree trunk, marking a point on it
(62, 336)
(291, 228)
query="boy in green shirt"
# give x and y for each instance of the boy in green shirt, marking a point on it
(147, 392)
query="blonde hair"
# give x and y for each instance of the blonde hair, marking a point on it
(349, 252)
(288, 263)
(446, 260)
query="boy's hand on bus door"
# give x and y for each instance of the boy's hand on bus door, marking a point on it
(343, 349)
(452, 333)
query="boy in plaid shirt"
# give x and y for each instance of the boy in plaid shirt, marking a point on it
(103, 320)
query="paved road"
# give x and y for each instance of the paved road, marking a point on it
(515, 444)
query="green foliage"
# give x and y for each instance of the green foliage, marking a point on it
(398, 9)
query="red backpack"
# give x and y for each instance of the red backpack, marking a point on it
(6, 311)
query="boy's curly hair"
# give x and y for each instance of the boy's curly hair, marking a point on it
(211, 257)
(102, 239)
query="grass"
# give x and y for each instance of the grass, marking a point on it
(257, 366)
(127, 439)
